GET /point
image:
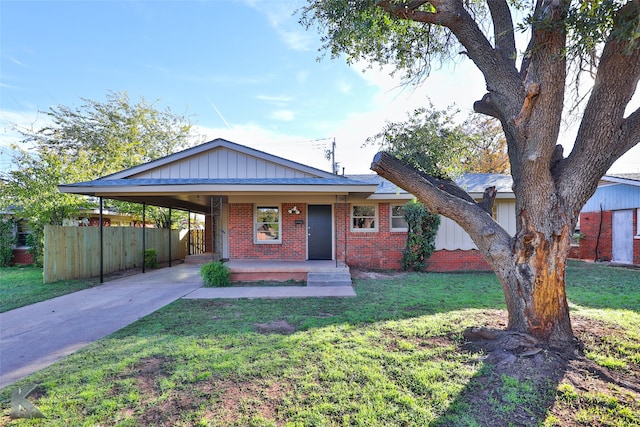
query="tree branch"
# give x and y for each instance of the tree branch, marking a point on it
(604, 134)
(446, 198)
(502, 78)
(503, 30)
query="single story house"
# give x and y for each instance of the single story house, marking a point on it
(609, 225)
(262, 207)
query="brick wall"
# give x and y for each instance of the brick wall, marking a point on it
(21, 256)
(597, 242)
(379, 250)
(458, 260)
(242, 246)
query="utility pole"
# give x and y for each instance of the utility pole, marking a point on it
(334, 167)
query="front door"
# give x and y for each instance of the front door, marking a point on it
(622, 236)
(319, 232)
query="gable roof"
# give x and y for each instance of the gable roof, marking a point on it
(220, 159)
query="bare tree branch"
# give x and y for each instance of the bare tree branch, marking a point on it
(503, 30)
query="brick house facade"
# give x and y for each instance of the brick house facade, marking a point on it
(262, 207)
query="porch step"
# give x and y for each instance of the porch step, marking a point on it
(329, 279)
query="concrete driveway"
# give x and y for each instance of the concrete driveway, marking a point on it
(35, 336)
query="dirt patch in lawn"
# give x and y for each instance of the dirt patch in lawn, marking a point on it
(276, 327)
(375, 274)
(567, 387)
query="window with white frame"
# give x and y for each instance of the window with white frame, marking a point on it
(364, 218)
(398, 223)
(266, 224)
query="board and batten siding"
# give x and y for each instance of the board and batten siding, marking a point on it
(613, 197)
(452, 237)
(222, 164)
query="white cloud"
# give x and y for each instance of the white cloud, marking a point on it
(278, 100)
(283, 115)
(302, 77)
(343, 86)
(280, 15)
(298, 148)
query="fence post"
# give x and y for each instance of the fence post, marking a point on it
(144, 222)
(101, 245)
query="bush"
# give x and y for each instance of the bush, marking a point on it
(421, 237)
(151, 258)
(215, 275)
(7, 240)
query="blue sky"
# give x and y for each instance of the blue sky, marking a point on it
(241, 70)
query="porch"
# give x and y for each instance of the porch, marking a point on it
(314, 272)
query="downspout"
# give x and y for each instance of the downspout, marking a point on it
(169, 237)
(597, 250)
(101, 245)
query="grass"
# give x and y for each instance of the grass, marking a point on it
(392, 356)
(20, 286)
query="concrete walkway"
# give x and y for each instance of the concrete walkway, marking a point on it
(35, 336)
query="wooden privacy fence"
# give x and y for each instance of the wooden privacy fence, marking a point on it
(74, 252)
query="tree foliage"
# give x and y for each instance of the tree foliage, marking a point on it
(7, 240)
(432, 142)
(486, 144)
(421, 235)
(82, 144)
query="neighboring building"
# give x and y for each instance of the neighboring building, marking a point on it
(263, 207)
(21, 253)
(608, 229)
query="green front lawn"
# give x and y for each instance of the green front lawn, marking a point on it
(394, 355)
(20, 286)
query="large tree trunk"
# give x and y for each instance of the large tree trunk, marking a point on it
(530, 265)
(533, 281)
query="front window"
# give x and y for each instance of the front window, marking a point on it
(267, 224)
(398, 223)
(364, 218)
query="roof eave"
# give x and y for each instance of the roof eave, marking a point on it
(215, 189)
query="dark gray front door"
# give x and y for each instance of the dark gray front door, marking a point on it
(319, 232)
